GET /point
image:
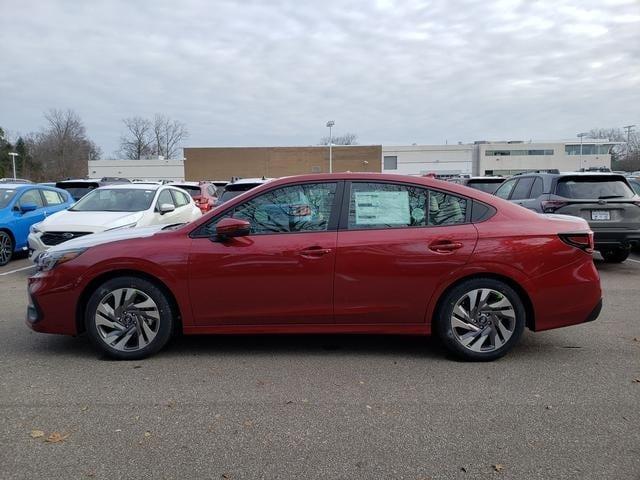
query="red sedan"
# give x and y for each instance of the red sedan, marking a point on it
(341, 253)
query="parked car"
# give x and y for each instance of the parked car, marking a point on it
(605, 200)
(111, 208)
(22, 205)
(485, 184)
(338, 253)
(79, 188)
(203, 193)
(238, 187)
(635, 184)
(219, 184)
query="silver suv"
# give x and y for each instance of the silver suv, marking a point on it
(605, 200)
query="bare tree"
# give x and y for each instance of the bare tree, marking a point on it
(346, 139)
(137, 142)
(168, 135)
(626, 154)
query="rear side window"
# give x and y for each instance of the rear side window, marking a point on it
(522, 188)
(446, 209)
(52, 198)
(387, 205)
(537, 188)
(593, 187)
(505, 189)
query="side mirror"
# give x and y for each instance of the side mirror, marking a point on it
(166, 208)
(28, 207)
(232, 227)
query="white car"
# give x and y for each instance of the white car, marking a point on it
(114, 207)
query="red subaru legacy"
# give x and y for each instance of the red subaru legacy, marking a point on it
(340, 253)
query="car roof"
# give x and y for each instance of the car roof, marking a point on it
(14, 186)
(240, 181)
(191, 184)
(131, 186)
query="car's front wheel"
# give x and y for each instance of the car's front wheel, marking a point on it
(6, 248)
(615, 255)
(129, 318)
(480, 319)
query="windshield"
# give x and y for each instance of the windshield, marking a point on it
(602, 187)
(115, 200)
(233, 190)
(193, 190)
(77, 189)
(5, 196)
(489, 186)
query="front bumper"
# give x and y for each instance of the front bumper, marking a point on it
(52, 304)
(36, 247)
(616, 238)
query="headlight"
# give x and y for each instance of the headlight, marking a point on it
(128, 225)
(48, 260)
(34, 228)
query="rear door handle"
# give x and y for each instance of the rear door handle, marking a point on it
(315, 252)
(444, 246)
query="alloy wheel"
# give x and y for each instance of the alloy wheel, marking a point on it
(483, 320)
(6, 248)
(127, 319)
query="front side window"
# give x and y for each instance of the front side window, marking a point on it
(31, 196)
(298, 208)
(180, 198)
(522, 188)
(6, 196)
(505, 189)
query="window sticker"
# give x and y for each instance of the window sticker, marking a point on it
(380, 207)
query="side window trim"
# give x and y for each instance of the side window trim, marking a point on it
(334, 216)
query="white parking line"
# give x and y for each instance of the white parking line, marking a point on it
(17, 270)
(632, 260)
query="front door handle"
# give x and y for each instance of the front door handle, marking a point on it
(444, 246)
(315, 252)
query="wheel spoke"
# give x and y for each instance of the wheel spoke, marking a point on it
(457, 323)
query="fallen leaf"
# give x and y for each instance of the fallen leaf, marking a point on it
(636, 339)
(171, 403)
(248, 423)
(57, 437)
(217, 415)
(288, 402)
(85, 408)
(548, 407)
(369, 407)
(463, 469)
(636, 380)
(37, 433)
(118, 430)
(361, 382)
(137, 366)
(147, 434)
(498, 467)
(226, 476)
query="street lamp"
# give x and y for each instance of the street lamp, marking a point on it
(13, 159)
(581, 135)
(330, 124)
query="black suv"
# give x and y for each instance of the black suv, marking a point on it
(605, 200)
(485, 184)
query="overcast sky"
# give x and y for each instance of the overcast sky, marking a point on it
(273, 72)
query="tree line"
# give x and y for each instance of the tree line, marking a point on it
(62, 147)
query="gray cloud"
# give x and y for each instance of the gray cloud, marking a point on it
(272, 72)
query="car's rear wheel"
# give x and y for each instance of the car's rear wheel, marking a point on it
(480, 319)
(615, 255)
(6, 248)
(129, 318)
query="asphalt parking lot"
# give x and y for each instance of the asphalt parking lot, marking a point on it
(563, 404)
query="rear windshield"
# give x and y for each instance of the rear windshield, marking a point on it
(193, 190)
(485, 185)
(232, 190)
(77, 189)
(5, 196)
(593, 188)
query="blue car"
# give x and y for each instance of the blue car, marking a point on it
(22, 205)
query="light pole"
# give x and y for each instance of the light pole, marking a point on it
(13, 158)
(330, 124)
(581, 135)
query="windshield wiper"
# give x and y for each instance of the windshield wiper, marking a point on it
(605, 197)
(173, 225)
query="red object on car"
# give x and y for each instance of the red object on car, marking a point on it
(339, 253)
(204, 194)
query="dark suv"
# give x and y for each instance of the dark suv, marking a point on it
(605, 200)
(485, 184)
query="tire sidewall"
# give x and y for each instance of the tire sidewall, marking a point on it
(13, 246)
(156, 294)
(443, 323)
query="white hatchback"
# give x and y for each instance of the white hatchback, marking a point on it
(114, 207)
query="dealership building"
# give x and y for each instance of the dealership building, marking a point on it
(479, 158)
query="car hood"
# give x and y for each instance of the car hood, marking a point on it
(106, 237)
(68, 220)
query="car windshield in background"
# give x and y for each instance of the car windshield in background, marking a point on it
(232, 191)
(115, 200)
(78, 189)
(5, 196)
(192, 190)
(489, 186)
(593, 188)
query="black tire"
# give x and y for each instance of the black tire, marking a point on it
(6, 248)
(142, 288)
(615, 255)
(451, 336)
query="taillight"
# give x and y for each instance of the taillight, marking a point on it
(550, 206)
(583, 241)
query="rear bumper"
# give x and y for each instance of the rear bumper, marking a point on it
(616, 238)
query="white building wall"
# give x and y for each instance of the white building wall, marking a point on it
(423, 159)
(152, 169)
